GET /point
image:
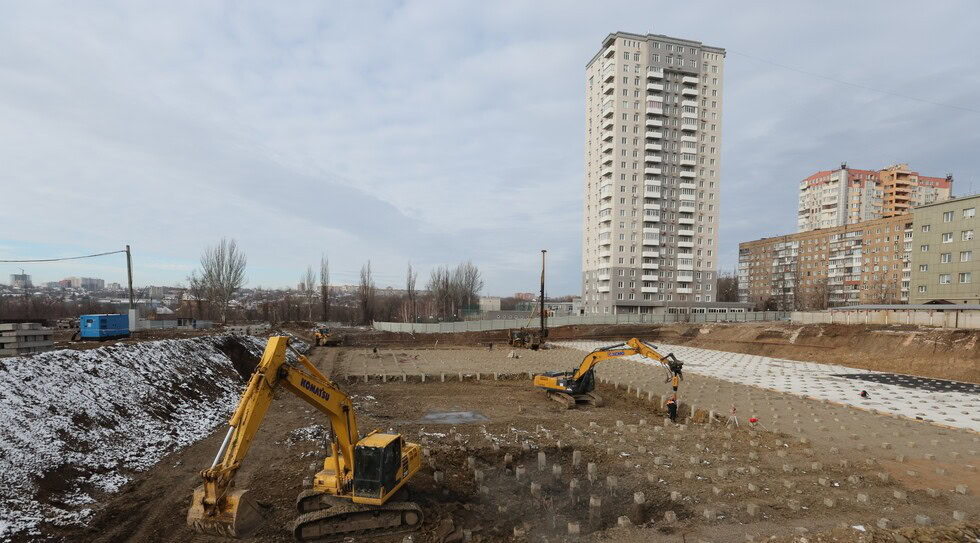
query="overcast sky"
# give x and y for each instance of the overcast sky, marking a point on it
(429, 131)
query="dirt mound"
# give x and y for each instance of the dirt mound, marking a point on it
(77, 424)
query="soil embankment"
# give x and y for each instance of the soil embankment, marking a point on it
(77, 425)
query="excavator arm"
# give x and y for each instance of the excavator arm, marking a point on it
(219, 509)
(630, 348)
(576, 386)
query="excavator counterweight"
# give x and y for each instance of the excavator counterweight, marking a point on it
(351, 495)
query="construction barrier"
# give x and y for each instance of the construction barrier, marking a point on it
(966, 319)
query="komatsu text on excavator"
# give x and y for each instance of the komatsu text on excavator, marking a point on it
(351, 495)
(577, 386)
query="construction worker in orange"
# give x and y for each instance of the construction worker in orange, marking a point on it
(672, 407)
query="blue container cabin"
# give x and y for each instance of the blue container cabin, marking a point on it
(103, 326)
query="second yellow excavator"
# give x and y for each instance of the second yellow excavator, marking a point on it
(353, 493)
(577, 386)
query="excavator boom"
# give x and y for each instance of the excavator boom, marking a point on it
(217, 508)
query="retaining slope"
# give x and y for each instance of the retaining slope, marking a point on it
(74, 423)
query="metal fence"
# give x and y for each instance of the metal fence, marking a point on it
(642, 318)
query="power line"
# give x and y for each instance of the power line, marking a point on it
(852, 84)
(60, 259)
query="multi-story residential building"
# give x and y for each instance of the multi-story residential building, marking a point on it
(867, 262)
(20, 280)
(847, 196)
(88, 283)
(652, 173)
(945, 252)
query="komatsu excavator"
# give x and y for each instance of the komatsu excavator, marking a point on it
(351, 495)
(577, 386)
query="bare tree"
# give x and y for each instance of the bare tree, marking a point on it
(471, 282)
(365, 294)
(308, 282)
(325, 286)
(409, 311)
(199, 291)
(223, 273)
(727, 287)
(455, 288)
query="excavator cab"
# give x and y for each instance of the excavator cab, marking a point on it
(378, 458)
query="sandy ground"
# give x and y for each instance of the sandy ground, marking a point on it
(729, 483)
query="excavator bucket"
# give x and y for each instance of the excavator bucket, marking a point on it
(239, 516)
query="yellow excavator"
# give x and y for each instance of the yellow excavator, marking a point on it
(577, 386)
(323, 336)
(351, 495)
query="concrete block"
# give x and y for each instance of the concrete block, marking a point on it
(658, 461)
(932, 492)
(722, 472)
(863, 498)
(716, 491)
(829, 502)
(753, 456)
(790, 485)
(823, 481)
(573, 528)
(923, 520)
(752, 509)
(542, 461)
(959, 516)
(816, 466)
(754, 470)
(623, 522)
(793, 505)
(670, 517)
(753, 487)
(884, 524)
(710, 514)
(675, 496)
(883, 476)
(962, 489)
(900, 494)
(787, 468)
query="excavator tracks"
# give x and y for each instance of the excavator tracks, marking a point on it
(570, 401)
(348, 519)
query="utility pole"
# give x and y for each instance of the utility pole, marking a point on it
(544, 329)
(133, 317)
(129, 271)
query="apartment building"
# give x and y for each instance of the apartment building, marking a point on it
(832, 198)
(652, 174)
(944, 263)
(867, 262)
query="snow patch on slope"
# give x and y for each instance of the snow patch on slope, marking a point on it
(75, 423)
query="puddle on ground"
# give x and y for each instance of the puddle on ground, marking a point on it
(454, 417)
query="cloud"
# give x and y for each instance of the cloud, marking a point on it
(427, 131)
